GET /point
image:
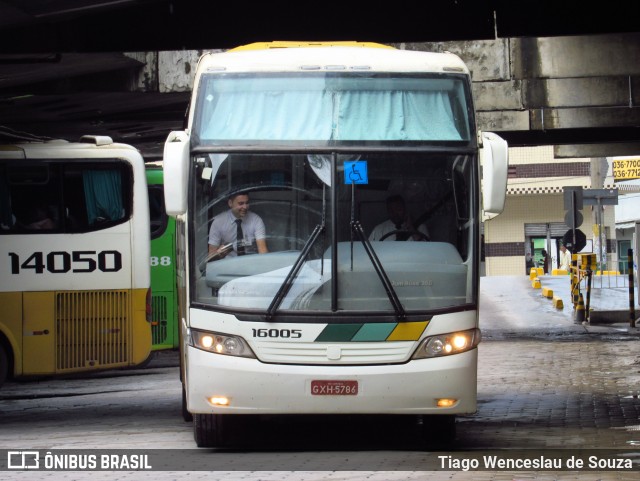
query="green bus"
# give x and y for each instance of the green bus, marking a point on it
(164, 326)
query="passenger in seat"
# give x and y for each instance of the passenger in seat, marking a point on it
(399, 226)
(38, 218)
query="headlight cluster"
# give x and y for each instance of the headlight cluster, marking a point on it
(447, 344)
(220, 343)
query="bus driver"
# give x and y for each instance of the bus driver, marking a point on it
(237, 231)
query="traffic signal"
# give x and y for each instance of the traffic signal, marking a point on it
(574, 239)
(573, 206)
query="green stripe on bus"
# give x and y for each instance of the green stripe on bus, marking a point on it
(338, 332)
(375, 332)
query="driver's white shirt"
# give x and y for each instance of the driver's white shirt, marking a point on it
(387, 226)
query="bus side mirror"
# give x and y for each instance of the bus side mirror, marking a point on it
(494, 158)
(176, 172)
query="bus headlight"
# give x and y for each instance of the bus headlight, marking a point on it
(447, 344)
(219, 343)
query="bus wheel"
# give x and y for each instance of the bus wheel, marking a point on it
(223, 430)
(209, 430)
(186, 415)
(4, 365)
(439, 431)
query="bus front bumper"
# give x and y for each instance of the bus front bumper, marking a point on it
(218, 384)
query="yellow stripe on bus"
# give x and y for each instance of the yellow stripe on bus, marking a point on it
(408, 331)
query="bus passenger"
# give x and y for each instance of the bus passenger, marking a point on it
(398, 226)
(38, 218)
(237, 231)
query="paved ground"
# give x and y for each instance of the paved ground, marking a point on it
(544, 383)
(523, 308)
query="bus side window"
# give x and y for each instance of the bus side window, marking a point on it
(157, 215)
(39, 216)
(103, 193)
(7, 219)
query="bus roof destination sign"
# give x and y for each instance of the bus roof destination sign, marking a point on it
(626, 168)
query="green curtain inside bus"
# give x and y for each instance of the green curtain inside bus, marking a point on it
(342, 109)
(103, 194)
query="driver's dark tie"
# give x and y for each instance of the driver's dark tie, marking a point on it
(239, 238)
(401, 236)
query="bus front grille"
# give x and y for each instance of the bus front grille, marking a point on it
(92, 329)
(159, 318)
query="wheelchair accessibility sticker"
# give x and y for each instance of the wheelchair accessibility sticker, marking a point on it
(355, 172)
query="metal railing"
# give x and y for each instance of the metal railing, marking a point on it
(590, 279)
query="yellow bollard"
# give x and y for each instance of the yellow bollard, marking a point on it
(580, 314)
(557, 302)
(546, 292)
(536, 283)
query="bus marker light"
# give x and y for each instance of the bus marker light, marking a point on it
(219, 400)
(445, 402)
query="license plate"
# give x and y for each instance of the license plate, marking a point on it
(334, 388)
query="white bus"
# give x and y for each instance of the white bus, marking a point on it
(74, 258)
(332, 320)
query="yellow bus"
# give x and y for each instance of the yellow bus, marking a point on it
(335, 316)
(74, 257)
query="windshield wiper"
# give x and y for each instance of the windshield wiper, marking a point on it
(295, 270)
(377, 265)
(285, 287)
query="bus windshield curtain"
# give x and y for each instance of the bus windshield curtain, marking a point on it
(309, 109)
(103, 194)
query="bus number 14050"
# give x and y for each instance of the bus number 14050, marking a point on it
(60, 262)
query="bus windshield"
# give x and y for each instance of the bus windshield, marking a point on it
(332, 107)
(401, 223)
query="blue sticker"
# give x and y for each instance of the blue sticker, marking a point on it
(355, 172)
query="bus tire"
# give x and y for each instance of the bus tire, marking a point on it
(186, 415)
(4, 364)
(439, 431)
(209, 430)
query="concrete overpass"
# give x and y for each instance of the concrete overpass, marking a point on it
(579, 93)
(543, 75)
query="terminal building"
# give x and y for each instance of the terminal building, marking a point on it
(535, 217)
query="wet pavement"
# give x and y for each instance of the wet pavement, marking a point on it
(511, 306)
(545, 383)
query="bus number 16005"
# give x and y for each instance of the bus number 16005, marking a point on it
(60, 262)
(282, 333)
